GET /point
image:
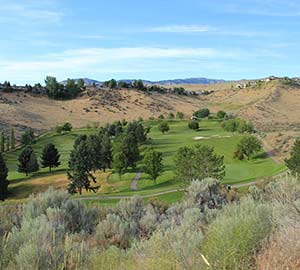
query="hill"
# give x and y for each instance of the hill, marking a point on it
(271, 104)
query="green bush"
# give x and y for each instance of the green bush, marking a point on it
(193, 124)
(202, 113)
(237, 125)
(234, 237)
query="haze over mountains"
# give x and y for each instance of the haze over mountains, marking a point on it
(199, 80)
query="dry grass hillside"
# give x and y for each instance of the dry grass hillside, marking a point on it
(273, 107)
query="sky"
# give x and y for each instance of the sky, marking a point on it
(153, 40)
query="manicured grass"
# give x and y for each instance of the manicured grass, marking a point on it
(179, 135)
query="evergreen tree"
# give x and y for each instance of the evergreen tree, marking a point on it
(27, 161)
(3, 179)
(128, 146)
(2, 141)
(28, 137)
(50, 157)
(80, 166)
(12, 140)
(153, 163)
(293, 163)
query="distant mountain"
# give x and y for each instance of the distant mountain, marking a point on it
(88, 81)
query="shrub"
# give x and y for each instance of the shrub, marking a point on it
(237, 125)
(193, 124)
(179, 115)
(233, 238)
(221, 114)
(202, 113)
(163, 127)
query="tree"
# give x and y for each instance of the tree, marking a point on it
(27, 161)
(138, 130)
(2, 141)
(199, 162)
(171, 116)
(28, 137)
(50, 157)
(66, 127)
(163, 127)
(80, 83)
(80, 166)
(52, 86)
(248, 146)
(221, 114)
(71, 89)
(12, 140)
(119, 163)
(179, 115)
(3, 179)
(153, 164)
(139, 85)
(202, 113)
(293, 163)
(193, 124)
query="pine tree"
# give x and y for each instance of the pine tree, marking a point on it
(12, 140)
(2, 141)
(50, 157)
(80, 166)
(293, 163)
(27, 161)
(3, 179)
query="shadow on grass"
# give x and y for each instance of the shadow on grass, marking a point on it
(37, 175)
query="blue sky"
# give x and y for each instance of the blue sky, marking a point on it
(157, 39)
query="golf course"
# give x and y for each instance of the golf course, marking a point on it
(111, 185)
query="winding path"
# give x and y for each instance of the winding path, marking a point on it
(133, 184)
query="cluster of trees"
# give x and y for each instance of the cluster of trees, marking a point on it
(202, 113)
(89, 154)
(247, 146)
(57, 90)
(66, 127)
(28, 163)
(238, 125)
(199, 162)
(97, 152)
(7, 143)
(6, 87)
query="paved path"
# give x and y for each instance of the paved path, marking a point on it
(133, 184)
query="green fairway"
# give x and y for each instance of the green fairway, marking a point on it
(210, 133)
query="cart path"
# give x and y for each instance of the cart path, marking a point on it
(133, 184)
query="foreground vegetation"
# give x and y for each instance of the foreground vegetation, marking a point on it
(208, 229)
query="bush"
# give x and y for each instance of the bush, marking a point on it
(179, 115)
(237, 125)
(221, 114)
(163, 127)
(193, 124)
(233, 238)
(202, 113)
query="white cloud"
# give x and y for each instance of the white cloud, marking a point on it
(181, 29)
(30, 11)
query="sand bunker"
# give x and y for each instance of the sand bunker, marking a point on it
(211, 137)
